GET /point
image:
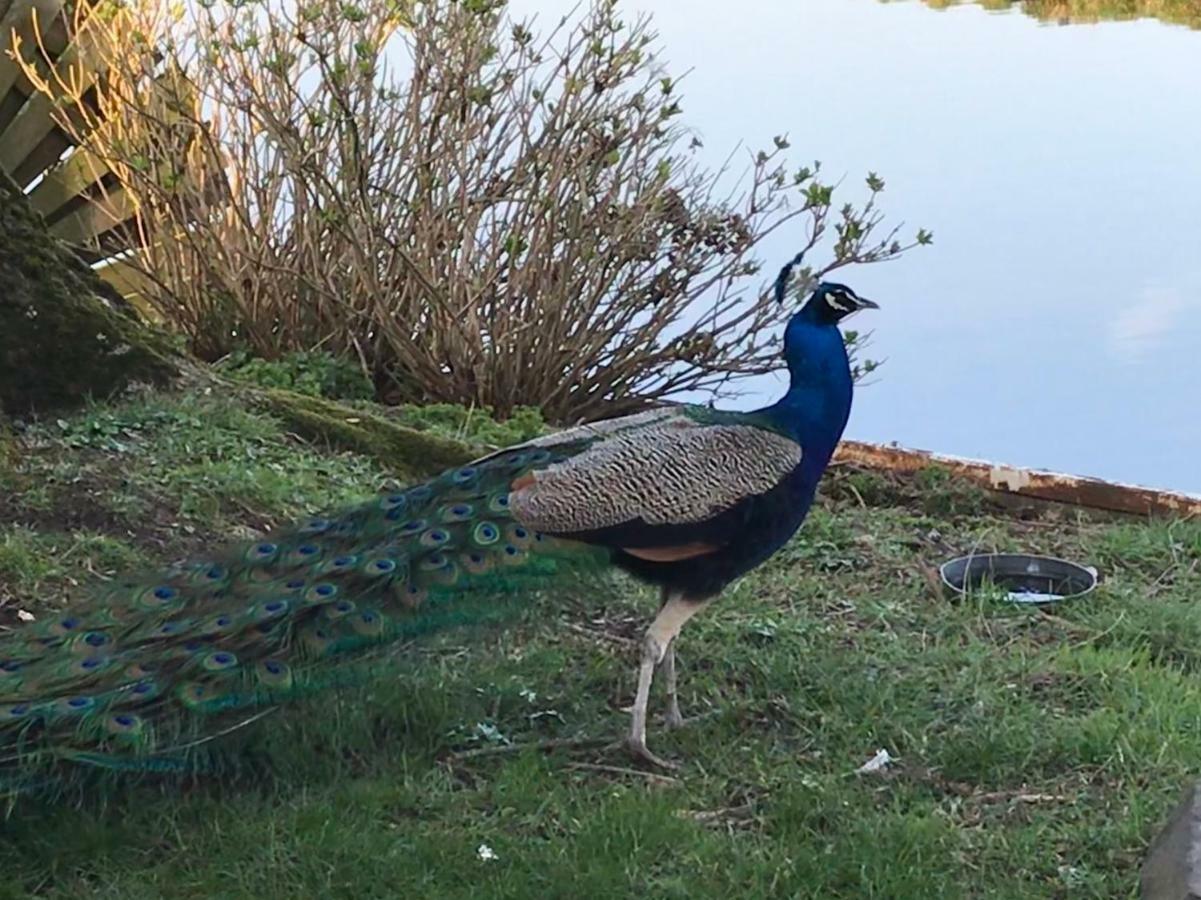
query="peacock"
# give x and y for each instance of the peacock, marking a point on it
(146, 673)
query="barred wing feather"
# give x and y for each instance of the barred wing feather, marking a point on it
(667, 471)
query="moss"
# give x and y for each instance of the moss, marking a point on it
(10, 453)
(398, 448)
(64, 334)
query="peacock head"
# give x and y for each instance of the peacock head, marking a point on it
(830, 301)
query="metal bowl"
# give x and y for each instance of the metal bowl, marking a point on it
(1028, 579)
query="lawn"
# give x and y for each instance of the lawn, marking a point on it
(1036, 753)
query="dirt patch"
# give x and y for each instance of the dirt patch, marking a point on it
(85, 503)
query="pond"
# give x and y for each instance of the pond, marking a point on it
(1055, 322)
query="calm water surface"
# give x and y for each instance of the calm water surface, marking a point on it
(1056, 322)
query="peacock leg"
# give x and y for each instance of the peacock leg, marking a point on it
(673, 719)
(671, 618)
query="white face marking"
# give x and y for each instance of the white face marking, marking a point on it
(841, 302)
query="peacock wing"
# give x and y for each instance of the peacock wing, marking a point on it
(660, 484)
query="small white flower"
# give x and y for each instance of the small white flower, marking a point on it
(485, 853)
(528, 695)
(25, 615)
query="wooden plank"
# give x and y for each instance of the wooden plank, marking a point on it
(52, 147)
(106, 246)
(54, 39)
(127, 278)
(10, 105)
(1042, 485)
(25, 133)
(88, 223)
(62, 184)
(48, 151)
(36, 120)
(135, 286)
(20, 18)
(128, 275)
(33, 141)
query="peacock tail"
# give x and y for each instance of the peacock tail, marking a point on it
(140, 674)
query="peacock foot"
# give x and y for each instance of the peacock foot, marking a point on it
(637, 746)
(674, 719)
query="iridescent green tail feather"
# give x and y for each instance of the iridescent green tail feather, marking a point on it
(134, 676)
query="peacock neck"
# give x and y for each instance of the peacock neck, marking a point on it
(816, 407)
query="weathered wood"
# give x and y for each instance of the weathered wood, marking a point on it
(89, 223)
(1072, 489)
(47, 152)
(66, 181)
(134, 285)
(80, 65)
(23, 18)
(76, 193)
(125, 277)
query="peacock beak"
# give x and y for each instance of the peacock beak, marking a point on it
(864, 303)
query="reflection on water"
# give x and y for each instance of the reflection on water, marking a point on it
(1055, 321)
(1070, 12)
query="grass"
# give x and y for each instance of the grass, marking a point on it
(1038, 753)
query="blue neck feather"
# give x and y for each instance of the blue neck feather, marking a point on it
(818, 403)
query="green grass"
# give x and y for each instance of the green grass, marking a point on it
(1038, 754)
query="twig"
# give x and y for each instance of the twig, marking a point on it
(1092, 639)
(1020, 798)
(621, 770)
(726, 812)
(1066, 624)
(601, 635)
(552, 744)
(1169, 574)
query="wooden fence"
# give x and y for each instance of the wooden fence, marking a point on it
(76, 192)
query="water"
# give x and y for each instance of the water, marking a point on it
(1056, 320)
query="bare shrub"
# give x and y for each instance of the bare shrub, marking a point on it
(477, 214)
